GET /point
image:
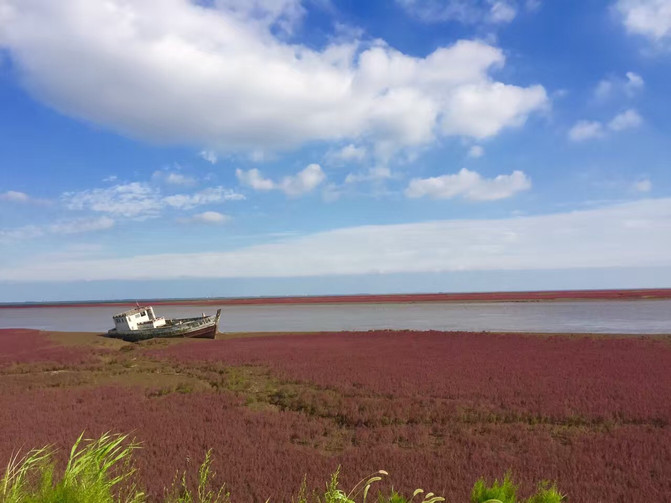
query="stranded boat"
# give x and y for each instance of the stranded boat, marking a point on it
(141, 323)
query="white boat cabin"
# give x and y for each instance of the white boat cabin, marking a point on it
(138, 318)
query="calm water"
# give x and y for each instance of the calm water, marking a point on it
(637, 317)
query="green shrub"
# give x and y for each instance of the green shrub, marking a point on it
(506, 492)
(547, 494)
(499, 492)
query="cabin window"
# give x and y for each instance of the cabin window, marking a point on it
(143, 313)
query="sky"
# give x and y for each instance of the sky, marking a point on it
(193, 148)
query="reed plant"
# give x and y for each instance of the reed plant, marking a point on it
(101, 471)
(97, 471)
(205, 491)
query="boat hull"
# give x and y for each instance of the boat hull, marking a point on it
(195, 328)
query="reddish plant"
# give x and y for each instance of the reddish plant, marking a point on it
(434, 409)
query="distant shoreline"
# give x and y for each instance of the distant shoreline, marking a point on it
(529, 296)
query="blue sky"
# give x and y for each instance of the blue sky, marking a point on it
(174, 148)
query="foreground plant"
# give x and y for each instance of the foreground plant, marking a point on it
(335, 495)
(205, 493)
(506, 492)
(97, 471)
(101, 471)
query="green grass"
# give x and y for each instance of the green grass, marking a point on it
(101, 471)
(506, 492)
(98, 470)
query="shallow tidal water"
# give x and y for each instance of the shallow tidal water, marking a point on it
(614, 317)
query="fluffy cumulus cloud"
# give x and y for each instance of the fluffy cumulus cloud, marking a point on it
(142, 200)
(465, 11)
(626, 120)
(624, 235)
(469, 185)
(218, 74)
(295, 185)
(650, 18)
(254, 179)
(589, 130)
(586, 130)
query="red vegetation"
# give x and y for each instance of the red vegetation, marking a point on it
(659, 293)
(30, 346)
(436, 410)
(555, 378)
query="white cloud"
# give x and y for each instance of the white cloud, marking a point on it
(347, 154)
(631, 84)
(14, 196)
(210, 195)
(586, 130)
(208, 217)
(502, 12)
(331, 193)
(209, 155)
(634, 82)
(141, 200)
(81, 225)
(304, 181)
(643, 185)
(175, 71)
(476, 151)
(633, 234)
(296, 185)
(604, 89)
(469, 185)
(282, 14)
(464, 11)
(532, 5)
(480, 111)
(626, 120)
(127, 200)
(650, 18)
(62, 227)
(172, 178)
(19, 233)
(254, 179)
(373, 174)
